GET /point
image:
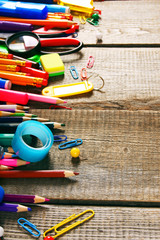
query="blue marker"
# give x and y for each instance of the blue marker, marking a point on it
(1, 194)
(23, 10)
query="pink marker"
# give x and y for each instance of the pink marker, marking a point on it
(23, 97)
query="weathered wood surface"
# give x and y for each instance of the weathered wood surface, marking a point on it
(125, 22)
(131, 77)
(119, 158)
(108, 223)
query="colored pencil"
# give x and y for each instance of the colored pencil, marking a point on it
(17, 114)
(37, 174)
(24, 198)
(4, 168)
(8, 149)
(12, 110)
(7, 155)
(13, 106)
(20, 119)
(7, 207)
(13, 162)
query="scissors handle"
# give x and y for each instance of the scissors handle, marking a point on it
(52, 42)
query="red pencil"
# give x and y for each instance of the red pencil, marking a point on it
(37, 174)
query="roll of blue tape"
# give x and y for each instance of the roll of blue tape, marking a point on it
(38, 130)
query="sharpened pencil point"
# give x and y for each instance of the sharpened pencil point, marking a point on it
(29, 209)
(47, 200)
(76, 173)
(62, 124)
(65, 102)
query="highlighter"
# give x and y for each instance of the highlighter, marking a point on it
(23, 10)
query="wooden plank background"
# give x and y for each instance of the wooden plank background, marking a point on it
(119, 160)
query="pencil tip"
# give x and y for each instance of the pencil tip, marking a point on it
(65, 102)
(62, 124)
(29, 209)
(47, 200)
(76, 173)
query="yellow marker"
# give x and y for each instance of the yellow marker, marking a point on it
(68, 89)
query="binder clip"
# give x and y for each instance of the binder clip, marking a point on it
(31, 228)
(67, 220)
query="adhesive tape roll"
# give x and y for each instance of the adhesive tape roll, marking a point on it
(37, 129)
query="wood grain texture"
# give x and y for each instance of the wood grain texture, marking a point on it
(131, 77)
(107, 223)
(119, 158)
(124, 22)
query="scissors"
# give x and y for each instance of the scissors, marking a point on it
(27, 44)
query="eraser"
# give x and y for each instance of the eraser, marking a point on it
(52, 63)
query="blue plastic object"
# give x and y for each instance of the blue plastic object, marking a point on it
(28, 226)
(6, 84)
(60, 138)
(1, 194)
(70, 144)
(38, 130)
(23, 10)
(74, 72)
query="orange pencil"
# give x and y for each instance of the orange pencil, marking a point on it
(15, 62)
(57, 23)
(12, 68)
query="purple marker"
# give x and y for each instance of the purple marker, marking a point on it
(7, 26)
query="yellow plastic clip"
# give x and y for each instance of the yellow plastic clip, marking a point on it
(67, 220)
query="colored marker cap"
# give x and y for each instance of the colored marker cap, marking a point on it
(45, 82)
(28, 64)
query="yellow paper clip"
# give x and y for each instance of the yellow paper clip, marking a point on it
(67, 220)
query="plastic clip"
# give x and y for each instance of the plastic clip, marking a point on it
(69, 227)
(70, 144)
(31, 226)
(90, 62)
(83, 74)
(74, 72)
(60, 138)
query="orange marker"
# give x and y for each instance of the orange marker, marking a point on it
(15, 62)
(6, 55)
(12, 68)
(22, 79)
(57, 23)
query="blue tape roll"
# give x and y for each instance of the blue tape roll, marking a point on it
(38, 130)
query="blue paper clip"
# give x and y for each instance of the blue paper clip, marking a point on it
(26, 223)
(74, 72)
(60, 138)
(70, 144)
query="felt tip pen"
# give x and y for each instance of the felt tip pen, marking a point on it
(6, 84)
(23, 10)
(7, 26)
(13, 68)
(55, 23)
(21, 79)
(6, 55)
(35, 72)
(23, 98)
(15, 62)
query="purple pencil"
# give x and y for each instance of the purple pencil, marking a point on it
(12, 110)
(7, 207)
(24, 198)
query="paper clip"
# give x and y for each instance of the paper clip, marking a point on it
(83, 74)
(90, 62)
(67, 220)
(69, 144)
(24, 223)
(60, 138)
(74, 72)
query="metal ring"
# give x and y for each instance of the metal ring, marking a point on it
(97, 89)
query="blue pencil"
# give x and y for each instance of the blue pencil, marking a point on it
(7, 207)
(20, 119)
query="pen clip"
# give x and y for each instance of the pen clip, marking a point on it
(69, 144)
(24, 223)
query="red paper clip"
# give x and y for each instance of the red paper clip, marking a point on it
(90, 62)
(83, 74)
